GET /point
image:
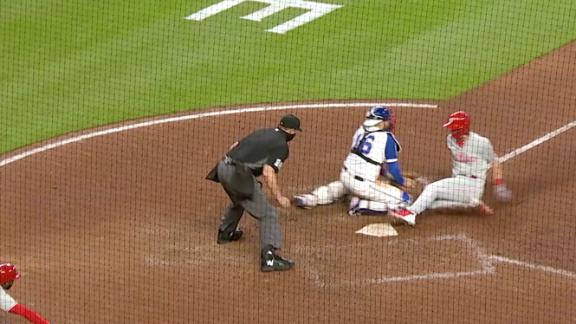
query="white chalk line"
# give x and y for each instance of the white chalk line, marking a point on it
(197, 115)
(486, 260)
(487, 267)
(537, 142)
(537, 267)
(431, 276)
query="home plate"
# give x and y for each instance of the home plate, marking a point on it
(378, 229)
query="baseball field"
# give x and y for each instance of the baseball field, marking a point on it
(112, 113)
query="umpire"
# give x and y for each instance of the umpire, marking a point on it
(261, 153)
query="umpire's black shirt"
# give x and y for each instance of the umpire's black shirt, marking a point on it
(264, 146)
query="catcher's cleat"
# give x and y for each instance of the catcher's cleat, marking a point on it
(300, 201)
(404, 215)
(270, 261)
(366, 212)
(354, 207)
(354, 212)
(227, 237)
(359, 207)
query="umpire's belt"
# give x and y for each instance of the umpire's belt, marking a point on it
(359, 178)
(249, 165)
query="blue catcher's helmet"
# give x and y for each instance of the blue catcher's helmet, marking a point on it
(377, 114)
(380, 113)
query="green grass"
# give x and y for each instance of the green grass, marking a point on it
(72, 65)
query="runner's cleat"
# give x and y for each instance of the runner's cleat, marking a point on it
(405, 216)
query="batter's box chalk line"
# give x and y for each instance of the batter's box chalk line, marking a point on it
(487, 262)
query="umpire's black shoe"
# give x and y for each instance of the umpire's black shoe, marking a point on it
(272, 262)
(227, 237)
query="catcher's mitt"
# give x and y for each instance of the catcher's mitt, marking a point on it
(414, 183)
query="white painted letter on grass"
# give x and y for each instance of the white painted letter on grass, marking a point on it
(314, 9)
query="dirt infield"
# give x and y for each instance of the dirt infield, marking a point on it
(121, 228)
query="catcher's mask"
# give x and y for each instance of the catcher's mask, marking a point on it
(376, 115)
(459, 125)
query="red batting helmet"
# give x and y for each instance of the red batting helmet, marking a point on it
(459, 121)
(7, 273)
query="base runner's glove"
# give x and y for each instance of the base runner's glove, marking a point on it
(501, 192)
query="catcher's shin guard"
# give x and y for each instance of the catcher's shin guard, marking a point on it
(322, 195)
(329, 193)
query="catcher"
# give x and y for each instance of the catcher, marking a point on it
(371, 174)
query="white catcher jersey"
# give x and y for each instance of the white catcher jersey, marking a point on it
(371, 145)
(474, 158)
(6, 301)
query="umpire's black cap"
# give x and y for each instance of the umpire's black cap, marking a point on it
(290, 121)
